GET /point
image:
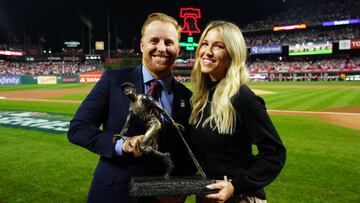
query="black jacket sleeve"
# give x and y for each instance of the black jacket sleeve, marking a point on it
(267, 164)
(84, 127)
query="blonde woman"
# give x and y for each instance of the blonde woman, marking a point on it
(228, 119)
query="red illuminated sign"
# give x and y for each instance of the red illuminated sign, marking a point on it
(190, 16)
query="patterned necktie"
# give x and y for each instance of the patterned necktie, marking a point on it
(154, 89)
(154, 93)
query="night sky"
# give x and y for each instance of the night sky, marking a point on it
(60, 20)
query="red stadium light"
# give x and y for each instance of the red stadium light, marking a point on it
(190, 16)
(10, 53)
(290, 27)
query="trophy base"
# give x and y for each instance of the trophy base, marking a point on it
(174, 186)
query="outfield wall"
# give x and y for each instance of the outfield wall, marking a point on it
(87, 78)
(26, 80)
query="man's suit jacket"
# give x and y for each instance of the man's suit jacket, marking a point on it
(103, 114)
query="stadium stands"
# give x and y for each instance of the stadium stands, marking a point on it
(326, 48)
(316, 52)
(45, 68)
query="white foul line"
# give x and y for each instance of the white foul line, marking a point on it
(315, 112)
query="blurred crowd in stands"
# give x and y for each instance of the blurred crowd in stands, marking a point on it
(257, 66)
(305, 64)
(257, 33)
(300, 36)
(314, 13)
(46, 68)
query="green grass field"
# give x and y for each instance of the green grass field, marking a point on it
(322, 159)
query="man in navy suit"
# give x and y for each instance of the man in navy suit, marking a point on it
(104, 111)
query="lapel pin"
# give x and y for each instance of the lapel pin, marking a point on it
(182, 103)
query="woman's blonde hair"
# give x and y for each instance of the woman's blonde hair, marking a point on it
(222, 117)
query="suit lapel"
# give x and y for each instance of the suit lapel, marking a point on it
(137, 79)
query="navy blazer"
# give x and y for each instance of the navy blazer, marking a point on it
(103, 113)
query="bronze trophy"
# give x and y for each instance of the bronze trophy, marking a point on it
(147, 109)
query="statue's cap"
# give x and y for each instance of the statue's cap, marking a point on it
(127, 85)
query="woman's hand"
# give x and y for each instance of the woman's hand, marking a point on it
(226, 190)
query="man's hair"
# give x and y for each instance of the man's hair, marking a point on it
(163, 18)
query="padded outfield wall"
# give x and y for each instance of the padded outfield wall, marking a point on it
(92, 77)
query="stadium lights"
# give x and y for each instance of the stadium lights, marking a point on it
(290, 27)
(10, 53)
(49, 52)
(92, 57)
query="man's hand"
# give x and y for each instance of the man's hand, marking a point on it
(132, 145)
